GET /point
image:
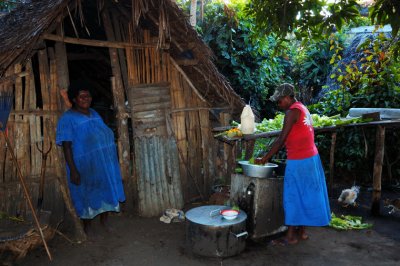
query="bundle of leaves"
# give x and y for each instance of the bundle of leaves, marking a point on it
(347, 222)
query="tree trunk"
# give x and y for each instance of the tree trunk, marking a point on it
(193, 9)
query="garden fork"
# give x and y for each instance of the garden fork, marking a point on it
(42, 174)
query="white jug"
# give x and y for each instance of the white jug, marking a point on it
(247, 120)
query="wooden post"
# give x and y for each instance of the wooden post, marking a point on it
(249, 148)
(62, 82)
(121, 55)
(119, 104)
(332, 160)
(224, 118)
(62, 65)
(377, 174)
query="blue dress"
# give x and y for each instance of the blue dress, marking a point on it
(305, 197)
(95, 156)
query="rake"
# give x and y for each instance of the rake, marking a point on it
(6, 101)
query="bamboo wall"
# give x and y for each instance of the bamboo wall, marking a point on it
(31, 125)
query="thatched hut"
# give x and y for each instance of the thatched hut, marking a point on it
(154, 83)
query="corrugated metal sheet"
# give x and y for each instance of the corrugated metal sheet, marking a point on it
(157, 169)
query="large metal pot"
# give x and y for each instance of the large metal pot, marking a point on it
(260, 171)
(209, 234)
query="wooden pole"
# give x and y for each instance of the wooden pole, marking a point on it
(332, 160)
(225, 118)
(377, 174)
(119, 104)
(63, 83)
(96, 43)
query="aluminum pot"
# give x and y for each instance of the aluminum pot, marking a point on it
(209, 234)
(260, 171)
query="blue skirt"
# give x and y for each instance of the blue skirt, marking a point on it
(305, 197)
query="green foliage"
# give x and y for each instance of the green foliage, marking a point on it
(369, 82)
(311, 65)
(308, 17)
(386, 12)
(8, 5)
(246, 58)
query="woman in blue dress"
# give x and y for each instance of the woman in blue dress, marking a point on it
(93, 172)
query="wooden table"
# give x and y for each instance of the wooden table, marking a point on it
(379, 151)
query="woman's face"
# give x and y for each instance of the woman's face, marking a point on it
(83, 100)
(284, 103)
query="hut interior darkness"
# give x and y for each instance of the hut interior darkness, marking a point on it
(153, 83)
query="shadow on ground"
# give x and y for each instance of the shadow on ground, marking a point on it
(147, 241)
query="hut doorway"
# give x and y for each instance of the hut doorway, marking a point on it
(92, 65)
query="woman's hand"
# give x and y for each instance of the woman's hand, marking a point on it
(260, 160)
(75, 178)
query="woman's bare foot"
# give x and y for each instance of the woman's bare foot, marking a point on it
(302, 233)
(105, 223)
(292, 241)
(291, 236)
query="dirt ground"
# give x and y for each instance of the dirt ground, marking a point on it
(147, 241)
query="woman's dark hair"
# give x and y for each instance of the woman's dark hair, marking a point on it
(75, 87)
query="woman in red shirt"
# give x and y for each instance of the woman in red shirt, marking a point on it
(305, 197)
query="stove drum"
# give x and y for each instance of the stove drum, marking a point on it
(216, 241)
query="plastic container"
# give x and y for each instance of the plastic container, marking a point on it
(247, 123)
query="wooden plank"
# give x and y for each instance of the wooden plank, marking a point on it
(61, 66)
(179, 128)
(120, 37)
(377, 172)
(18, 96)
(150, 99)
(150, 131)
(225, 118)
(20, 149)
(157, 115)
(44, 78)
(33, 121)
(9, 168)
(152, 106)
(207, 157)
(139, 88)
(55, 162)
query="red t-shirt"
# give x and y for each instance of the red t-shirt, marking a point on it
(300, 141)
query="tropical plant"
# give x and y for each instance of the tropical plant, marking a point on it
(372, 80)
(247, 59)
(309, 19)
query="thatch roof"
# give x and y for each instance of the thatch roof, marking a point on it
(21, 29)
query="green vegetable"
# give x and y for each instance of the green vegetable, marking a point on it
(346, 222)
(251, 161)
(238, 170)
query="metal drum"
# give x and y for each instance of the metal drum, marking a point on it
(209, 234)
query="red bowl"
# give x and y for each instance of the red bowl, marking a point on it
(229, 214)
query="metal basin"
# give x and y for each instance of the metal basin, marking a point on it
(260, 171)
